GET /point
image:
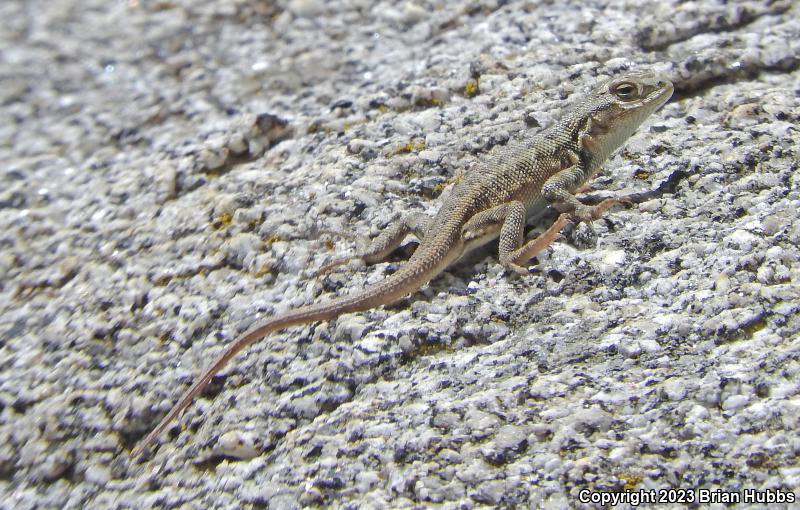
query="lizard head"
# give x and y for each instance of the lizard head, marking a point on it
(619, 106)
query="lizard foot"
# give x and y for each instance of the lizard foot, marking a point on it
(587, 214)
(333, 264)
(520, 270)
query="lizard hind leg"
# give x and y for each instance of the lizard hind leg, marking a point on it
(539, 243)
(386, 242)
(506, 221)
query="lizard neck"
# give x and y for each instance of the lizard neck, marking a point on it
(591, 139)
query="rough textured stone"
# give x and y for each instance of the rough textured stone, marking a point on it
(173, 170)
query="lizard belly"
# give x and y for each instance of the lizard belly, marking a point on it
(476, 240)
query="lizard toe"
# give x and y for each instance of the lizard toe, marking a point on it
(520, 270)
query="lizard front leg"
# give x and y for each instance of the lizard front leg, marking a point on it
(387, 241)
(508, 221)
(557, 191)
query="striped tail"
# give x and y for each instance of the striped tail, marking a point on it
(413, 275)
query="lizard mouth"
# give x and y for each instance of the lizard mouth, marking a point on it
(662, 93)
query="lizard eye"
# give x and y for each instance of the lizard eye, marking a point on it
(625, 90)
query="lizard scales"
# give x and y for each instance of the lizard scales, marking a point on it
(494, 201)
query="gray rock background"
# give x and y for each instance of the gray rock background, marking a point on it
(171, 172)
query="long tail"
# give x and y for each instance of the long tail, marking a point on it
(409, 278)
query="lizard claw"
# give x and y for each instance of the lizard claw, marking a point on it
(330, 265)
(587, 214)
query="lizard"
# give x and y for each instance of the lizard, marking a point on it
(495, 201)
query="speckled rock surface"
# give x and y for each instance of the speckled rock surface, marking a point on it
(173, 170)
